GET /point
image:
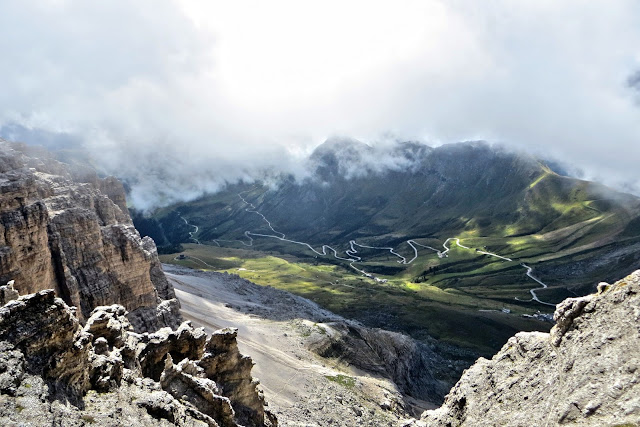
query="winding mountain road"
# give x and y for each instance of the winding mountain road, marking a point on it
(534, 296)
(200, 260)
(192, 233)
(412, 243)
(352, 252)
(444, 254)
(254, 210)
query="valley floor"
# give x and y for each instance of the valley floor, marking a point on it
(302, 389)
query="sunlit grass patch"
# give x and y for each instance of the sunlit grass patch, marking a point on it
(343, 380)
(540, 178)
(457, 287)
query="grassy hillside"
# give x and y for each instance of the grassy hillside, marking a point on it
(420, 309)
(572, 233)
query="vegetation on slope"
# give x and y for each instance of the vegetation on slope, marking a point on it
(572, 233)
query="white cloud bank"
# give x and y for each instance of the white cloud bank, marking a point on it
(203, 92)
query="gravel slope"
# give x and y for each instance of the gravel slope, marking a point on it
(274, 327)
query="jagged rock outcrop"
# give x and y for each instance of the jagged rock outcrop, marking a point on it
(70, 231)
(53, 371)
(585, 372)
(184, 343)
(8, 293)
(46, 333)
(223, 363)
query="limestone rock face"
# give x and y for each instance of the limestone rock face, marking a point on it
(585, 372)
(187, 381)
(71, 231)
(223, 363)
(53, 371)
(45, 331)
(184, 343)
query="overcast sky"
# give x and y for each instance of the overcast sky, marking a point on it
(187, 89)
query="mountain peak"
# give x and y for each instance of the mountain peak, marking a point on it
(338, 145)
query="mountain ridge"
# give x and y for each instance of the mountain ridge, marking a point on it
(572, 233)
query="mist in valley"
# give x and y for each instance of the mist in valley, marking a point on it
(180, 98)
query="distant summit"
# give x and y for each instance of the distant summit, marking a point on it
(337, 156)
(340, 145)
(349, 158)
(381, 218)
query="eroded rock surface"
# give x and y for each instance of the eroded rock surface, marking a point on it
(585, 372)
(70, 231)
(53, 371)
(414, 366)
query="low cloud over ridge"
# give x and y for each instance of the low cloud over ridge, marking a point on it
(200, 93)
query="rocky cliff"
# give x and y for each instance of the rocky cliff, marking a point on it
(65, 229)
(53, 371)
(585, 372)
(418, 369)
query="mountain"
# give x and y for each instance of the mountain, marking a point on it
(509, 210)
(583, 373)
(471, 189)
(97, 336)
(68, 230)
(451, 189)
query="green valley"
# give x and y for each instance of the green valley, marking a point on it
(370, 246)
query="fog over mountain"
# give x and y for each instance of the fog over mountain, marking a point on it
(197, 93)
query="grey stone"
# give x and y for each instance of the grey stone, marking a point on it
(583, 372)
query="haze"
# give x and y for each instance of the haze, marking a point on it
(199, 93)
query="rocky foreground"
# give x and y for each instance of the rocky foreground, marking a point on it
(99, 338)
(53, 371)
(585, 372)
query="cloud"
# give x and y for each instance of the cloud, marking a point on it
(634, 81)
(199, 93)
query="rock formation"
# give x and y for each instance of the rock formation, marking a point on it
(53, 371)
(417, 368)
(585, 372)
(68, 230)
(67, 239)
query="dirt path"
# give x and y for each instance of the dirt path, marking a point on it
(192, 233)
